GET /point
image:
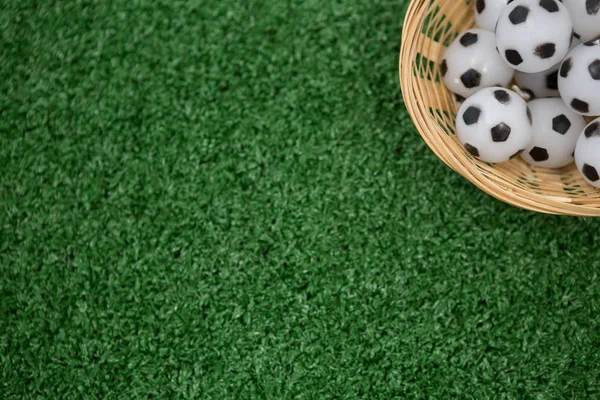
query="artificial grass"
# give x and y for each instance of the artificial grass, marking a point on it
(228, 200)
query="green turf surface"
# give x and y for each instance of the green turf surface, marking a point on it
(227, 200)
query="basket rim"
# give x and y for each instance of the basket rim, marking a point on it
(521, 198)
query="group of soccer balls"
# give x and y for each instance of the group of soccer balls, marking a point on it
(551, 48)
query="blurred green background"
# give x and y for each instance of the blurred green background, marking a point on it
(228, 200)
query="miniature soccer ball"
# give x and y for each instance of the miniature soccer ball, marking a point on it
(494, 125)
(585, 15)
(587, 153)
(579, 79)
(555, 131)
(534, 35)
(487, 13)
(472, 62)
(541, 84)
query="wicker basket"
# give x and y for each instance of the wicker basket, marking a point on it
(430, 26)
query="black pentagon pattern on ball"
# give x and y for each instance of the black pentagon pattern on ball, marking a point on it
(549, 5)
(518, 15)
(561, 124)
(594, 69)
(500, 132)
(471, 115)
(517, 154)
(539, 154)
(545, 50)
(577, 35)
(566, 67)
(502, 96)
(469, 39)
(593, 42)
(444, 67)
(480, 6)
(580, 106)
(592, 6)
(471, 78)
(592, 130)
(552, 81)
(513, 57)
(590, 172)
(472, 149)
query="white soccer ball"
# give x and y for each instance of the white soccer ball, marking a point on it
(555, 132)
(534, 35)
(472, 62)
(579, 79)
(494, 125)
(585, 15)
(587, 153)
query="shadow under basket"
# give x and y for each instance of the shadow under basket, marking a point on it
(429, 27)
